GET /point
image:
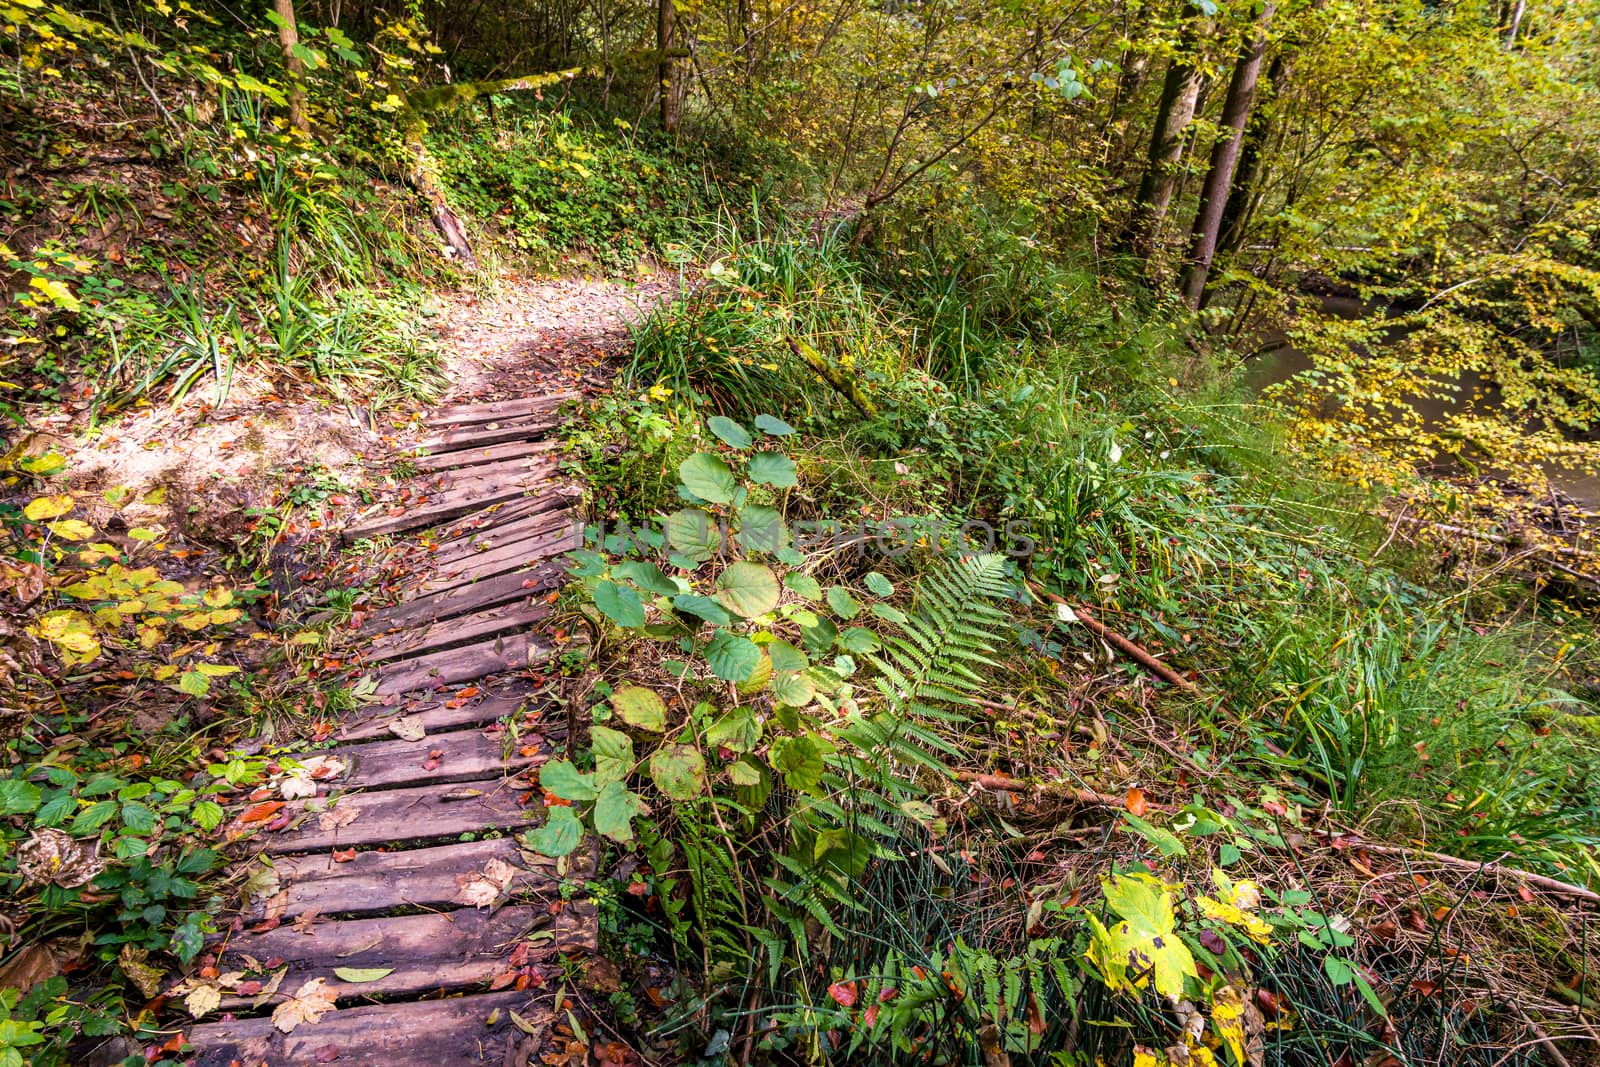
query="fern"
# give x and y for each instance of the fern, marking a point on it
(935, 666)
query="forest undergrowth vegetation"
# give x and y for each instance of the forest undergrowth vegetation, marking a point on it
(929, 480)
(980, 668)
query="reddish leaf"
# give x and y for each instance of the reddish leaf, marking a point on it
(343, 855)
(262, 812)
(327, 1053)
(844, 993)
(1135, 802)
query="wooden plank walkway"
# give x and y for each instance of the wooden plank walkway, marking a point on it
(402, 895)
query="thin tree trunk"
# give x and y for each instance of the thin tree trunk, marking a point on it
(1225, 159)
(667, 67)
(1252, 153)
(289, 39)
(1176, 110)
(1517, 11)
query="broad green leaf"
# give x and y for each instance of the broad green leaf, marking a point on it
(93, 817)
(646, 576)
(843, 604)
(761, 529)
(737, 729)
(559, 835)
(693, 533)
(640, 708)
(620, 604)
(773, 425)
(731, 657)
(731, 432)
(138, 817)
(859, 639)
(803, 585)
(793, 688)
(798, 761)
(758, 677)
(613, 755)
(707, 477)
(702, 607)
(774, 469)
(747, 588)
(614, 810)
(207, 814)
(785, 657)
(566, 781)
(745, 773)
(18, 797)
(878, 585)
(678, 771)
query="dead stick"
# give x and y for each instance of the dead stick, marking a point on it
(1019, 785)
(1554, 885)
(1123, 644)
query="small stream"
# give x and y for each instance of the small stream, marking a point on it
(1280, 361)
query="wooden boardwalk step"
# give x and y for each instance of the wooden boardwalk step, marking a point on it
(437, 715)
(443, 507)
(492, 537)
(472, 457)
(463, 755)
(434, 952)
(453, 666)
(418, 813)
(461, 630)
(436, 1033)
(466, 599)
(374, 882)
(507, 557)
(492, 410)
(489, 433)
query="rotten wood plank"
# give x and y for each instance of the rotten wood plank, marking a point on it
(436, 1033)
(434, 952)
(506, 557)
(431, 511)
(471, 457)
(468, 663)
(493, 410)
(463, 600)
(492, 536)
(370, 883)
(438, 715)
(464, 755)
(490, 433)
(418, 813)
(461, 630)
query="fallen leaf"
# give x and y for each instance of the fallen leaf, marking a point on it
(327, 1053)
(262, 812)
(408, 728)
(1135, 802)
(335, 817)
(343, 855)
(362, 974)
(309, 1005)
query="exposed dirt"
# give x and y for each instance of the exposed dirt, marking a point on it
(218, 461)
(542, 334)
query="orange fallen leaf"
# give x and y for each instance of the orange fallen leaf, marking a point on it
(1135, 802)
(262, 812)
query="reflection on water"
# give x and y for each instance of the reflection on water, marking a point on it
(1281, 361)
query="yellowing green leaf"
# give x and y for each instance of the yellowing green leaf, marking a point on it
(47, 507)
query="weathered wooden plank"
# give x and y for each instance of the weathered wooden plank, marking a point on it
(435, 952)
(492, 410)
(461, 630)
(373, 882)
(437, 715)
(474, 457)
(465, 599)
(507, 557)
(442, 507)
(489, 433)
(436, 1033)
(464, 755)
(500, 470)
(419, 813)
(453, 666)
(492, 536)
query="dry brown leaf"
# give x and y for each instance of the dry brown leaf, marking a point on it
(335, 817)
(408, 728)
(309, 1005)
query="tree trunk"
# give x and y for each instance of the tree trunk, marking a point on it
(1225, 158)
(667, 67)
(1517, 11)
(1178, 94)
(289, 39)
(1252, 153)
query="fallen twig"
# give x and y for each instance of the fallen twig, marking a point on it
(1121, 643)
(1553, 885)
